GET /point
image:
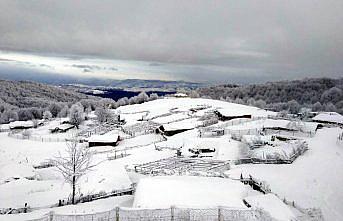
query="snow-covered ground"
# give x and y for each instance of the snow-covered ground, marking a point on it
(97, 206)
(312, 180)
(184, 191)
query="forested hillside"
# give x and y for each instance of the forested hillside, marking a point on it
(24, 100)
(319, 94)
(31, 94)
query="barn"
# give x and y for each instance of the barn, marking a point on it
(103, 140)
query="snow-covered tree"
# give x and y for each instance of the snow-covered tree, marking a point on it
(74, 164)
(123, 101)
(88, 110)
(194, 94)
(103, 114)
(317, 106)
(153, 96)
(294, 106)
(260, 103)
(9, 116)
(142, 97)
(76, 114)
(333, 95)
(25, 114)
(54, 108)
(64, 112)
(251, 101)
(330, 107)
(47, 115)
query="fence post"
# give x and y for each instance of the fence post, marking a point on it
(51, 215)
(117, 213)
(220, 218)
(172, 211)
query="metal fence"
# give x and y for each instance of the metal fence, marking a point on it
(168, 214)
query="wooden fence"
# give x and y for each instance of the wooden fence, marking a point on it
(166, 214)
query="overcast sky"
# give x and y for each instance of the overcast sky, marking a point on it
(216, 40)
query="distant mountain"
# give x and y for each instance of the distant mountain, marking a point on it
(24, 94)
(137, 83)
(18, 74)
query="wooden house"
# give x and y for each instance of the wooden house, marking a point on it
(104, 140)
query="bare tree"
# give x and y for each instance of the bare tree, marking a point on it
(74, 164)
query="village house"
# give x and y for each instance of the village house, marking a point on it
(175, 128)
(104, 140)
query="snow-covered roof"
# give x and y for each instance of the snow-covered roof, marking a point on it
(180, 95)
(4, 126)
(106, 176)
(271, 204)
(181, 125)
(234, 112)
(331, 117)
(106, 138)
(282, 152)
(280, 123)
(21, 124)
(64, 126)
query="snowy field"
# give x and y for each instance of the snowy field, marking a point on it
(312, 180)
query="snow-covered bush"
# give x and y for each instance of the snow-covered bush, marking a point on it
(47, 115)
(76, 114)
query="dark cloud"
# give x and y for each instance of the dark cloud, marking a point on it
(249, 38)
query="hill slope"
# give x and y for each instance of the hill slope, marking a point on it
(320, 93)
(24, 94)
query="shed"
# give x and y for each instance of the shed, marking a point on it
(229, 114)
(62, 128)
(104, 140)
(176, 127)
(21, 125)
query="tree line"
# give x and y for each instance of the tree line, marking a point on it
(29, 100)
(317, 94)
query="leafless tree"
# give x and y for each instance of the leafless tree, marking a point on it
(74, 164)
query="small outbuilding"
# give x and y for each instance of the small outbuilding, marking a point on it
(61, 128)
(104, 140)
(229, 114)
(21, 125)
(176, 127)
(180, 95)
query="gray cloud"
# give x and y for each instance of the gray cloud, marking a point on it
(272, 39)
